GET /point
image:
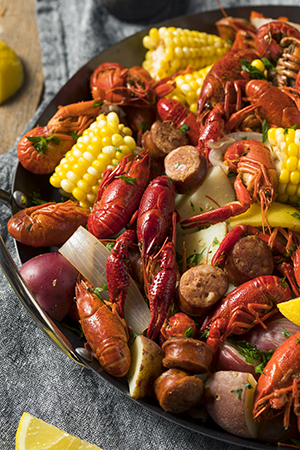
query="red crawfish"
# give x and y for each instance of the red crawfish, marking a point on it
(41, 149)
(118, 269)
(256, 182)
(118, 196)
(162, 289)
(113, 83)
(155, 215)
(278, 388)
(106, 333)
(48, 224)
(250, 303)
(269, 36)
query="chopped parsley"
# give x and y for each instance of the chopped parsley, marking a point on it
(184, 128)
(189, 332)
(129, 180)
(40, 143)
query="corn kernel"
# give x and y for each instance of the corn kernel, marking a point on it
(83, 186)
(292, 163)
(284, 176)
(67, 185)
(72, 177)
(89, 179)
(79, 194)
(295, 177)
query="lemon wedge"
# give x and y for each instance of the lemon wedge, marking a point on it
(35, 434)
(291, 310)
(11, 72)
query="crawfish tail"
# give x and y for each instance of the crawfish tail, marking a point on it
(106, 335)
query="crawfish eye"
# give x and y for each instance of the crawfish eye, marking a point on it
(268, 194)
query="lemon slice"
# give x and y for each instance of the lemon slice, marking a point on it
(11, 72)
(35, 434)
(291, 310)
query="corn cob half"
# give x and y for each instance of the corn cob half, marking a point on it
(100, 147)
(173, 49)
(285, 144)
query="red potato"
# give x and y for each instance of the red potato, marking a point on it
(228, 396)
(51, 279)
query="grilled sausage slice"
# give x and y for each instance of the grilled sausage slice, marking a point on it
(186, 167)
(200, 288)
(250, 257)
(177, 390)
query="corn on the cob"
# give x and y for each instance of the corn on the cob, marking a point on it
(188, 87)
(285, 144)
(173, 49)
(100, 147)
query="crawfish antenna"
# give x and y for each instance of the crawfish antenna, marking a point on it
(221, 8)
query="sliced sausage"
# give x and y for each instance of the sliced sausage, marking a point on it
(250, 257)
(162, 139)
(177, 390)
(186, 167)
(200, 288)
(188, 354)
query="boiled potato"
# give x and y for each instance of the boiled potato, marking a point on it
(228, 396)
(203, 244)
(146, 366)
(51, 279)
(215, 190)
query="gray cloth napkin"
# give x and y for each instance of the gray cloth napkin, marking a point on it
(35, 376)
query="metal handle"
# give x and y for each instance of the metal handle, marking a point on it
(43, 320)
(16, 197)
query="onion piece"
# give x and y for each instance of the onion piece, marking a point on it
(89, 256)
(274, 335)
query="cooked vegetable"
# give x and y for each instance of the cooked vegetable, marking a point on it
(285, 143)
(89, 256)
(188, 87)
(229, 400)
(146, 366)
(173, 49)
(51, 279)
(100, 147)
(277, 215)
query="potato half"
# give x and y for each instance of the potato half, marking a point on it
(146, 366)
(228, 396)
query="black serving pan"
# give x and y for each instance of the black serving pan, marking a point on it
(129, 52)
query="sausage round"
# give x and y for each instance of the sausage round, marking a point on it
(177, 390)
(162, 138)
(186, 167)
(188, 354)
(250, 257)
(200, 288)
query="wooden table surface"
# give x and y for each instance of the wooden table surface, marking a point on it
(18, 29)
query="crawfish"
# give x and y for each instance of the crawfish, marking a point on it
(115, 84)
(155, 214)
(278, 387)
(42, 148)
(256, 181)
(272, 104)
(106, 333)
(268, 38)
(248, 304)
(118, 196)
(161, 291)
(118, 268)
(48, 224)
